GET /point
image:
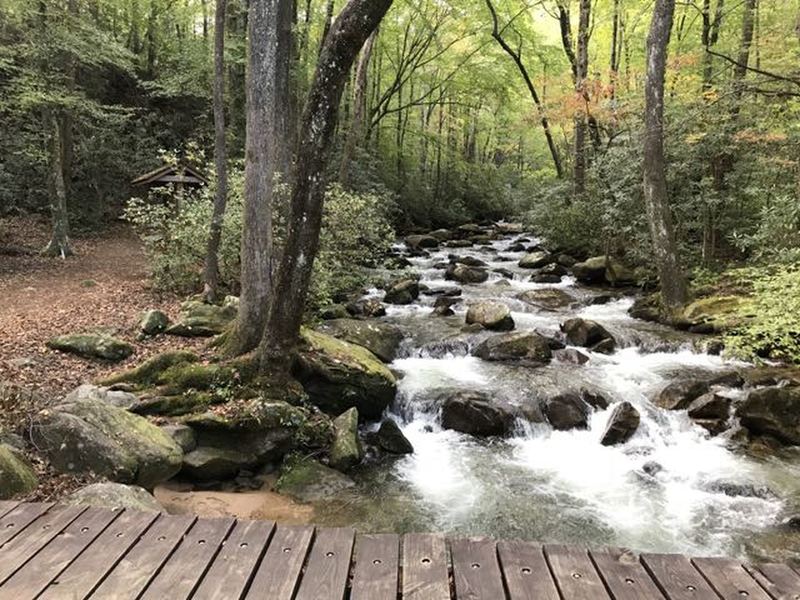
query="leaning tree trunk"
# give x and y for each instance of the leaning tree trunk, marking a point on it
(211, 270)
(673, 282)
(355, 24)
(261, 164)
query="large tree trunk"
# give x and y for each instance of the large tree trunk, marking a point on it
(261, 164)
(673, 282)
(211, 271)
(355, 24)
(359, 109)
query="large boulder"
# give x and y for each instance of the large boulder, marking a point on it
(198, 319)
(491, 315)
(207, 463)
(404, 291)
(567, 411)
(678, 395)
(366, 307)
(115, 495)
(116, 398)
(338, 375)
(390, 438)
(17, 477)
(773, 411)
(525, 346)
(622, 424)
(92, 436)
(153, 322)
(307, 480)
(422, 241)
(346, 451)
(710, 406)
(536, 260)
(466, 274)
(588, 334)
(92, 345)
(600, 270)
(382, 339)
(150, 371)
(547, 298)
(476, 414)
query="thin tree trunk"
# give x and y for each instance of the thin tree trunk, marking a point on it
(743, 61)
(516, 56)
(581, 75)
(355, 24)
(327, 25)
(59, 244)
(211, 271)
(673, 282)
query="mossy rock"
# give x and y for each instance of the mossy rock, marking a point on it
(202, 320)
(16, 474)
(149, 372)
(173, 406)
(92, 345)
(153, 322)
(346, 451)
(338, 375)
(718, 312)
(307, 480)
(382, 339)
(206, 463)
(115, 495)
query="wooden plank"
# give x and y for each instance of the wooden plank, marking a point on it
(184, 570)
(328, 565)
(729, 579)
(677, 578)
(624, 575)
(377, 567)
(278, 574)
(41, 532)
(7, 506)
(525, 571)
(132, 574)
(235, 564)
(780, 581)
(35, 576)
(18, 518)
(91, 567)
(476, 570)
(574, 573)
(425, 575)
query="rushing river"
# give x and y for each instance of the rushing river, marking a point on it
(555, 486)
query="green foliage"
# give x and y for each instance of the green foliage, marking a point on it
(777, 235)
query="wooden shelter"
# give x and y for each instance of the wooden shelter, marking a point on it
(179, 175)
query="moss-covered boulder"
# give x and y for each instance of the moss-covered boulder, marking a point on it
(338, 375)
(536, 260)
(16, 474)
(307, 480)
(92, 345)
(153, 322)
(198, 319)
(115, 495)
(150, 371)
(523, 346)
(92, 392)
(714, 313)
(604, 270)
(382, 339)
(346, 451)
(91, 436)
(403, 291)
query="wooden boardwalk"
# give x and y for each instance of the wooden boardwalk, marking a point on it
(65, 552)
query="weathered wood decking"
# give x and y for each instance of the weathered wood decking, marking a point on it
(65, 552)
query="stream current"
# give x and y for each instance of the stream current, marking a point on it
(658, 492)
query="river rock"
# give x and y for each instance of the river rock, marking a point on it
(571, 356)
(744, 490)
(447, 292)
(17, 477)
(445, 348)
(469, 261)
(366, 307)
(599, 270)
(207, 463)
(567, 411)
(545, 278)
(476, 414)
(491, 315)
(91, 436)
(334, 311)
(346, 451)
(710, 406)
(443, 306)
(391, 439)
(153, 322)
(516, 247)
(115, 495)
(465, 274)
(442, 234)
(404, 291)
(182, 434)
(547, 298)
(594, 399)
(535, 260)
(678, 395)
(198, 319)
(382, 339)
(307, 480)
(422, 241)
(525, 346)
(338, 375)
(588, 334)
(622, 424)
(553, 269)
(92, 345)
(507, 274)
(773, 411)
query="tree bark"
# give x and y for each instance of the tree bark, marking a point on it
(211, 270)
(659, 216)
(743, 61)
(355, 24)
(581, 76)
(59, 244)
(261, 164)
